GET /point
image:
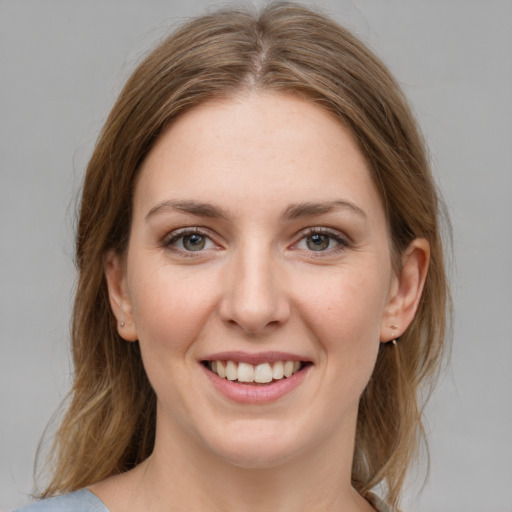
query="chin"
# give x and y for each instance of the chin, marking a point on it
(258, 446)
(252, 457)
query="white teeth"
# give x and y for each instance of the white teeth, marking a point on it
(278, 371)
(221, 369)
(288, 368)
(245, 372)
(262, 373)
(231, 371)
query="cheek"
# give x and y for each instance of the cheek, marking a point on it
(170, 311)
(343, 313)
(345, 305)
(169, 308)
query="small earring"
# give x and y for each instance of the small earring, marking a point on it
(121, 324)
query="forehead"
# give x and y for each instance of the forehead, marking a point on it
(264, 150)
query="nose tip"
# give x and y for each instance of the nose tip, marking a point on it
(255, 318)
(254, 299)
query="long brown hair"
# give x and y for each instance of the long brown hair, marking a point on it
(109, 425)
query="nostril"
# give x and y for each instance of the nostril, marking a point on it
(254, 303)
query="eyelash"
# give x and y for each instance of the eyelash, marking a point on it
(342, 242)
(175, 236)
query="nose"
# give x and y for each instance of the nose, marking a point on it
(254, 295)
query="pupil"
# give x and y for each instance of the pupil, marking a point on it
(318, 242)
(194, 242)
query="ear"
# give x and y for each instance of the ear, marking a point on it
(406, 290)
(115, 273)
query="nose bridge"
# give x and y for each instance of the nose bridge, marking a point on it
(253, 297)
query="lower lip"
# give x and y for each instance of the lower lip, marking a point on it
(256, 393)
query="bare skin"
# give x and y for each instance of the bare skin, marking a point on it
(256, 229)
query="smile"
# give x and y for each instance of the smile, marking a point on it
(255, 378)
(263, 373)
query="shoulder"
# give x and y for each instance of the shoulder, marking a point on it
(78, 501)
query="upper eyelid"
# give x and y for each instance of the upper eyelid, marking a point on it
(180, 232)
(177, 233)
(335, 233)
(168, 243)
(319, 229)
(342, 240)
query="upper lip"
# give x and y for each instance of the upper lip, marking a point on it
(255, 358)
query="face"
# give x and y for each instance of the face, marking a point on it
(257, 279)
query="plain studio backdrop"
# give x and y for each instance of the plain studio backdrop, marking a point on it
(62, 63)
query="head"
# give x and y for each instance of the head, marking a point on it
(286, 50)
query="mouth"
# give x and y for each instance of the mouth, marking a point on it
(261, 374)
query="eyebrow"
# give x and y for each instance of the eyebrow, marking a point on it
(310, 209)
(191, 207)
(291, 212)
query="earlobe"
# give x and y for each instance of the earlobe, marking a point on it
(406, 291)
(120, 302)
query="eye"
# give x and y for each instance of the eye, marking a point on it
(189, 241)
(321, 240)
(193, 242)
(318, 242)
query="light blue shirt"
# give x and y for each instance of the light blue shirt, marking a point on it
(86, 501)
(78, 501)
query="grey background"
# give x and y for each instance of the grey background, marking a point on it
(62, 62)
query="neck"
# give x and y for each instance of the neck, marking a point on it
(183, 475)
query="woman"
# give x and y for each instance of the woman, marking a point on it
(261, 291)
